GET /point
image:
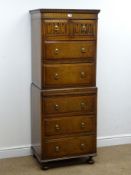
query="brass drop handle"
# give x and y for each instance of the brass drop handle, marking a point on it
(56, 107)
(83, 105)
(56, 28)
(57, 148)
(83, 125)
(83, 28)
(82, 74)
(56, 51)
(56, 76)
(69, 15)
(57, 127)
(83, 50)
(82, 145)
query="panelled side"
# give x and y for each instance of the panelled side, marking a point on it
(36, 49)
(36, 120)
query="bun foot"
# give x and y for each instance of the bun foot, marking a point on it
(44, 167)
(90, 161)
(34, 156)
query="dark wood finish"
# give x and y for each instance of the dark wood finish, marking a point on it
(57, 75)
(59, 11)
(69, 29)
(68, 104)
(70, 125)
(63, 91)
(69, 91)
(66, 161)
(58, 50)
(90, 160)
(85, 28)
(56, 148)
(36, 51)
(68, 16)
(36, 122)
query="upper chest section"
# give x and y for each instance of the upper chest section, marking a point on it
(68, 25)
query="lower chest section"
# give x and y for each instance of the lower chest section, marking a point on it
(65, 120)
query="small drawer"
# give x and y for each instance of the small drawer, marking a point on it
(60, 75)
(66, 50)
(84, 28)
(70, 146)
(55, 29)
(68, 104)
(70, 125)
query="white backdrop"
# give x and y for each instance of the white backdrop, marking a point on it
(113, 71)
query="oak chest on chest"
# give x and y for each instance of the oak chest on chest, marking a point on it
(63, 91)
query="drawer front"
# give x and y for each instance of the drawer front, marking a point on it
(57, 29)
(69, 15)
(65, 50)
(67, 104)
(70, 125)
(70, 146)
(59, 75)
(84, 28)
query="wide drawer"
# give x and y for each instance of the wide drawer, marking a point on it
(69, 15)
(70, 125)
(57, 75)
(70, 104)
(70, 146)
(73, 29)
(65, 50)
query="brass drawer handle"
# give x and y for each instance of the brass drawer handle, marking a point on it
(56, 51)
(82, 74)
(69, 15)
(57, 127)
(82, 145)
(83, 28)
(57, 148)
(56, 28)
(57, 107)
(83, 50)
(83, 105)
(56, 76)
(83, 125)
